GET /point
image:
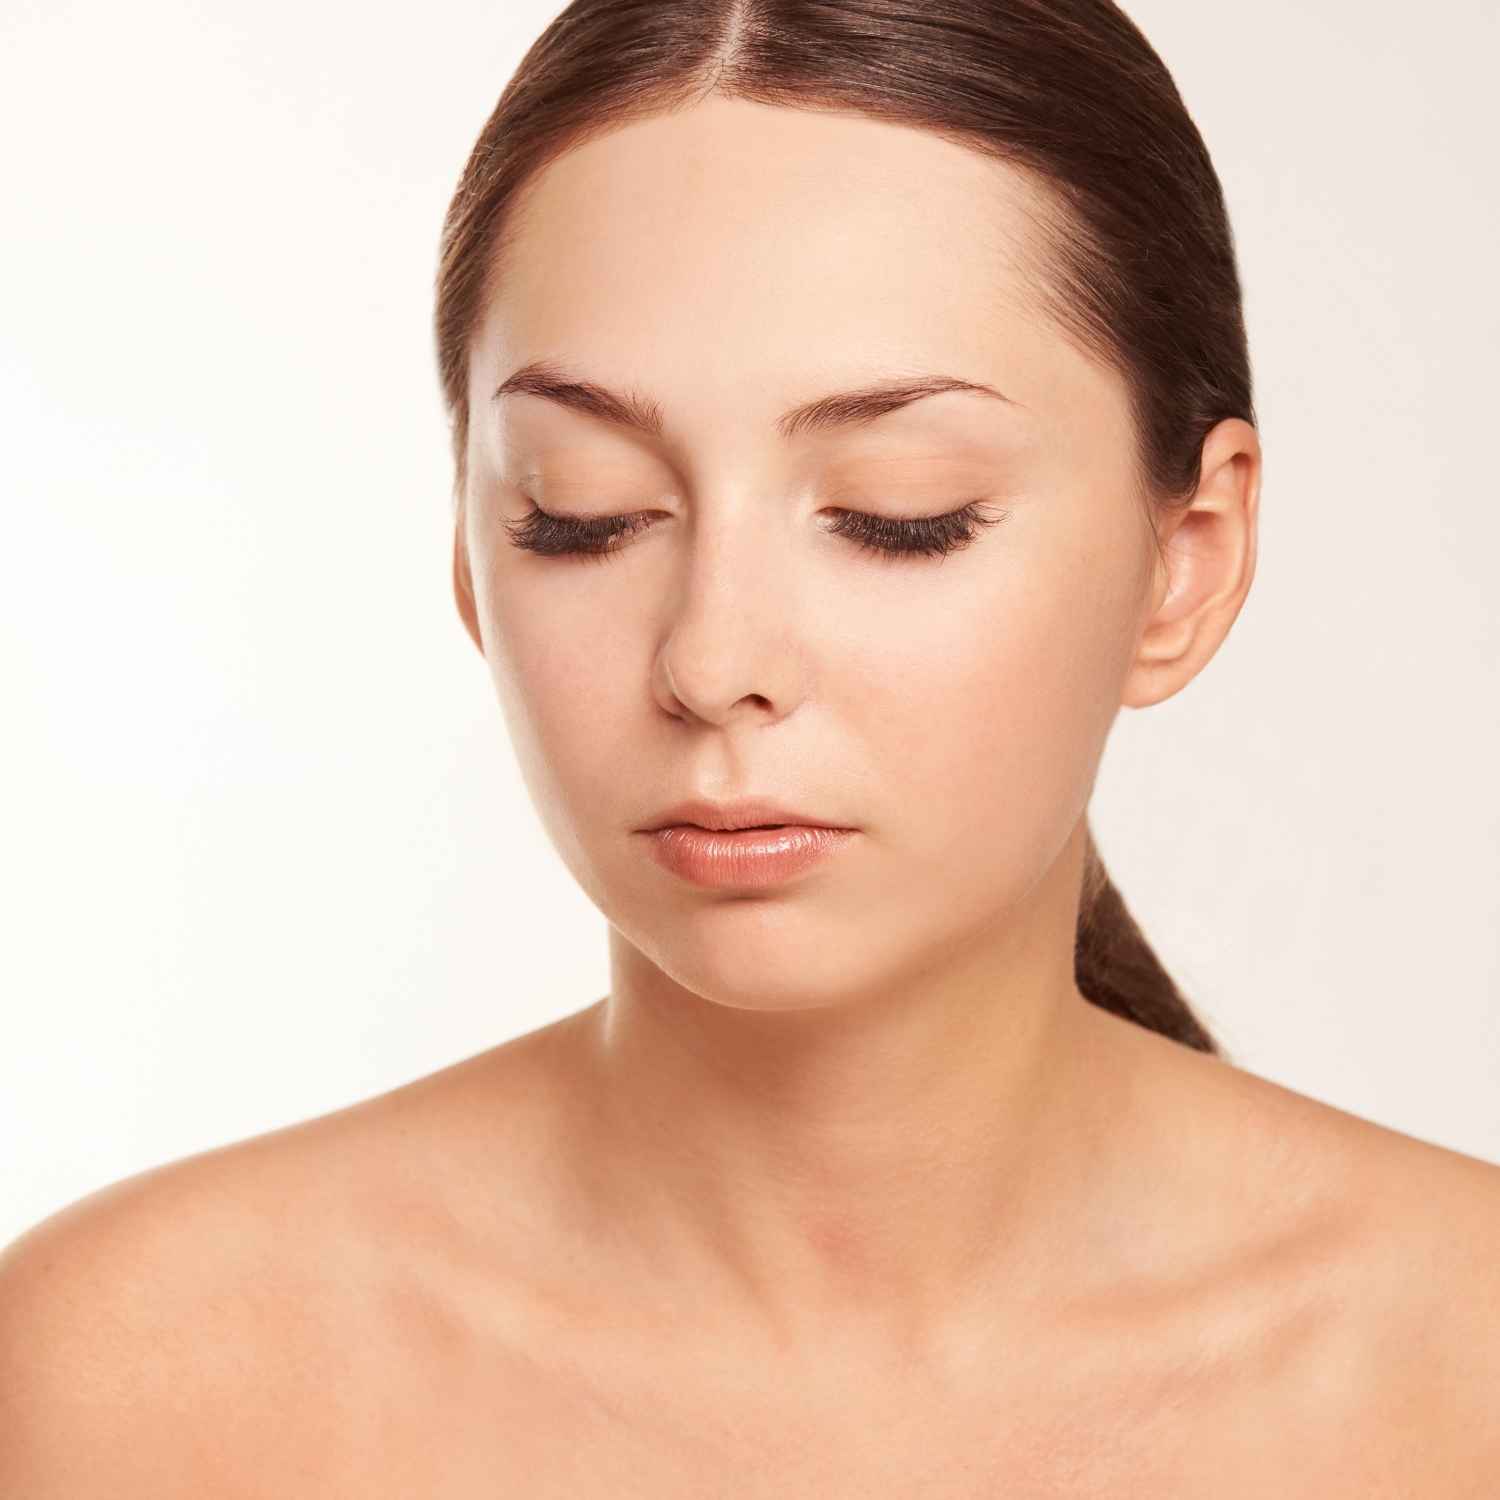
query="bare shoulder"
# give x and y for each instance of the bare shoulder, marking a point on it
(150, 1330)
(114, 1319)
(1406, 1257)
(1432, 1254)
(154, 1332)
(1419, 1210)
(1433, 1259)
(1353, 1266)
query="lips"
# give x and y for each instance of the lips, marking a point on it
(744, 859)
(748, 812)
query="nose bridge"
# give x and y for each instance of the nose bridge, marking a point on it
(730, 628)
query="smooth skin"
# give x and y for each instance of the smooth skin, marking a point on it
(843, 1184)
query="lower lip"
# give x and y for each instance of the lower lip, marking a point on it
(743, 857)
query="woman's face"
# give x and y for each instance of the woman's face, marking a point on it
(722, 266)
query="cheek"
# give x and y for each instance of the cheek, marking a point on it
(994, 711)
(571, 690)
(571, 695)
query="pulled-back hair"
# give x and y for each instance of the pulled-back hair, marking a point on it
(1137, 266)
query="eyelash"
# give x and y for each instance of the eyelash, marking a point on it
(924, 536)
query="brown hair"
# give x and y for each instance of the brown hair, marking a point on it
(1138, 269)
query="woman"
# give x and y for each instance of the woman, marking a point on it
(851, 412)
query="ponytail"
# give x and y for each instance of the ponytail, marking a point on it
(1117, 970)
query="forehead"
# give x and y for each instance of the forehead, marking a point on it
(735, 248)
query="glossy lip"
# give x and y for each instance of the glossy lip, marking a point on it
(748, 812)
(745, 858)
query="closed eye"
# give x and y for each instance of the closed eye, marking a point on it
(924, 536)
(600, 536)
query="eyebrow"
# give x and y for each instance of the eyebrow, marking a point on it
(552, 382)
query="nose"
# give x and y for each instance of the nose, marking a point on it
(731, 637)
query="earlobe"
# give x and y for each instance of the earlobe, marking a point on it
(1209, 550)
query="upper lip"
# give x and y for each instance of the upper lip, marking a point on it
(749, 812)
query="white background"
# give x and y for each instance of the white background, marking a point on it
(266, 849)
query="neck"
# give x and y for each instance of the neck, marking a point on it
(886, 1164)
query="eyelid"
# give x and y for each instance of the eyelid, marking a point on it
(604, 516)
(890, 539)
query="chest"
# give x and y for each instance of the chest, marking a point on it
(547, 1430)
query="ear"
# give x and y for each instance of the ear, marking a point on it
(1203, 570)
(463, 582)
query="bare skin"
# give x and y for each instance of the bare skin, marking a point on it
(845, 1185)
(411, 1297)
